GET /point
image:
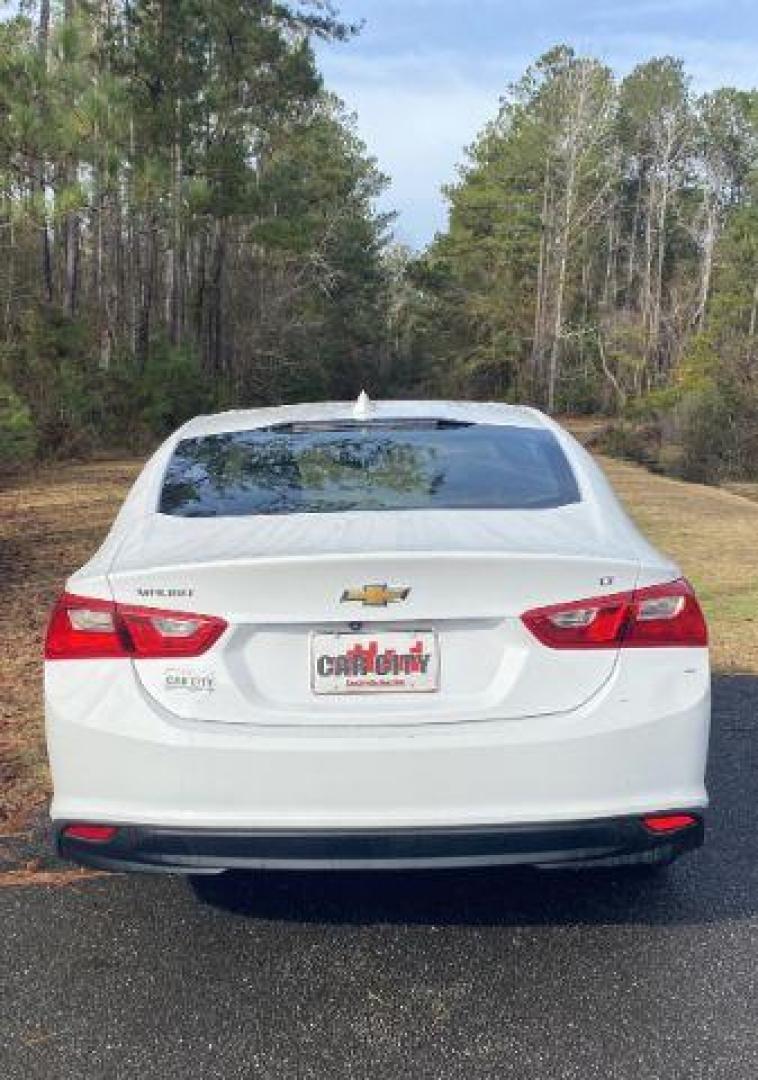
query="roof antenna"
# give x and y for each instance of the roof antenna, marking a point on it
(363, 406)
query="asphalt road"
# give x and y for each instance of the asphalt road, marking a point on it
(447, 975)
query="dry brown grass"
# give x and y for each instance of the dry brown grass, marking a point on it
(713, 535)
(51, 521)
(33, 875)
(744, 488)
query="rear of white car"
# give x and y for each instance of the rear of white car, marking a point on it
(415, 634)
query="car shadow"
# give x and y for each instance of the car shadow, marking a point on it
(717, 884)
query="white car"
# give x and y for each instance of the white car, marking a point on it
(376, 635)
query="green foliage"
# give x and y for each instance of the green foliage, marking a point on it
(17, 434)
(719, 433)
(602, 256)
(187, 218)
(64, 404)
(188, 221)
(699, 365)
(502, 278)
(654, 406)
(581, 392)
(50, 368)
(172, 388)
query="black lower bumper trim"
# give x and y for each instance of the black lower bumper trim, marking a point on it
(610, 841)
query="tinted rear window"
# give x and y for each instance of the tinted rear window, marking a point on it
(327, 470)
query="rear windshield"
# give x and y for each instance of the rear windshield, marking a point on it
(325, 470)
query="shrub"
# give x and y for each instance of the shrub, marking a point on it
(580, 394)
(173, 388)
(719, 433)
(64, 404)
(50, 369)
(18, 440)
(640, 442)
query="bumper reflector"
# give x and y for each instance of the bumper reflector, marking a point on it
(668, 823)
(94, 833)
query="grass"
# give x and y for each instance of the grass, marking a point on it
(713, 535)
(52, 520)
(747, 490)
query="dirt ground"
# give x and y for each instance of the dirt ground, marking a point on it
(52, 520)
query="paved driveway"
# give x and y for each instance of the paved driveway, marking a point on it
(485, 974)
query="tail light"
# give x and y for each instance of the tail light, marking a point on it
(659, 615)
(97, 834)
(81, 628)
(668, 823)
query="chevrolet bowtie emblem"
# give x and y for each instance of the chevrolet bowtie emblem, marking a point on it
(375, 595)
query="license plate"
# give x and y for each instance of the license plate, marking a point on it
(385, 662)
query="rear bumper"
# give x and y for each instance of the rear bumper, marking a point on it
(192, 796)
(609, 841)
(638, 747)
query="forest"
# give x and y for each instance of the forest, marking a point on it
(188, 222)
(602, 257)
(186, 219)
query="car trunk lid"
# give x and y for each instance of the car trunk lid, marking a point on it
(283, 583)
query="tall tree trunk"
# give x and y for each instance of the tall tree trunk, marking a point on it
(539, 317)
(617, 388)
(560, 292)
(175, 251)
(11, 279)
(647, 275)
(147, 290)
(43, 39)
(215, 361)
(173, 270)
(753, 314)
(609, 279)
(105, 256)
(71, 225)
(632, 255)
(706, 270)
(657, 298)
(555, 344)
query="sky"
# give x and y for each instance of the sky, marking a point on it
(424, 76)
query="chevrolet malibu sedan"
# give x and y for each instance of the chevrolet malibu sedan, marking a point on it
(393, 634)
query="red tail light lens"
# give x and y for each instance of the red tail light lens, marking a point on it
(82, 628)
(584, 624)
(659, 615)
(667, 615)
(169, 633)
(668, 823)
(99, 834)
